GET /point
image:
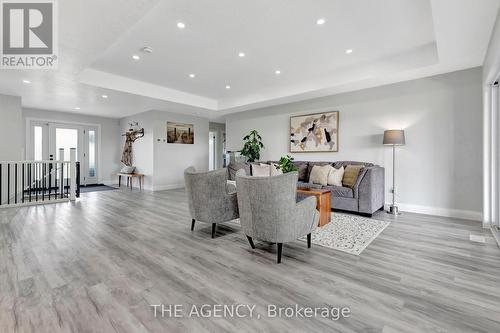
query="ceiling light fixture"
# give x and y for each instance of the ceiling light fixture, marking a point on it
(181, 25)
(320, 21)
(277, 72)
(104, 96)
(27, 81)
(228, 87)
(241, 54)
(136, 57)
(77, 108)
(349, 51)
(192, 76)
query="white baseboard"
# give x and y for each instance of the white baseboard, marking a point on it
(168, 187)
(438, 211)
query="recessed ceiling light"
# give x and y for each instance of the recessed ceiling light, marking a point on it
(77, 108)
(27, 81)
(320, 21)
(104, 96)
(192, 75)
(349, 51)
(228, 87)
(136, 57)
(241, 54)
(181, 25)
(277, 72)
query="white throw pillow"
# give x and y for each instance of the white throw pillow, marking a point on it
(275, 171)
(319, 174)
(261, 170)
(335, 176)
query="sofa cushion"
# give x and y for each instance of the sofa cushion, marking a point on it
(340, 191)
(344, 164)
(261, 170)
(319, 174)
(351, 175)
(303, 170)
(308, 185)
(310, 165)
(232, 168)
(335, 176)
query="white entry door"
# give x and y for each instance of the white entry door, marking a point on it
(46, 138)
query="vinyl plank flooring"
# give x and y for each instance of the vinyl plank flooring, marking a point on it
(97, 265)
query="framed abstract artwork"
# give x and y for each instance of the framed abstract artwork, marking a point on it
(318, 132)
(180, 133)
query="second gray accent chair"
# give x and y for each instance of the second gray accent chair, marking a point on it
(210, 200)
(269, 211)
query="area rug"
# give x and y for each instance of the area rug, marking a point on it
(96, 188)
(348, 233)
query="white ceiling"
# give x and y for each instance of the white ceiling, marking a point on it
(392, 40)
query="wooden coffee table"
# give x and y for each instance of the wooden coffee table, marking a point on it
(323, 203)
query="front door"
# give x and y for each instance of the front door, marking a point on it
(48, 137)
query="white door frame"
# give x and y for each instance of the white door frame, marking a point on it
(29, 152)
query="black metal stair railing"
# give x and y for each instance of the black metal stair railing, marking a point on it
(35, 182)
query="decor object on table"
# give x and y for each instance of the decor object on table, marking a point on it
(252, 146)
(132, 135)
(285, 164)
(180, 133)
(394, 138)
(269, 211)
(208, 197)
(127, 169)
(348, 233)
(315, 132)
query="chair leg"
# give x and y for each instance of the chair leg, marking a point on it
(309, 240)
(214, 225)
(280, 248)
(192, 224)
(251, 242)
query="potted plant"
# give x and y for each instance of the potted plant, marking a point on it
(285, 164)
(253, 145)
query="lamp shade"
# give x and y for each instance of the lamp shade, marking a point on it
(394, 137)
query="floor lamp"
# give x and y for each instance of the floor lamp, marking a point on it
(394, 138)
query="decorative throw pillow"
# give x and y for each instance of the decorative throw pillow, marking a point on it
(335, 176)
(319, 174)
(274, 170)
(351, 173)
(261, 170)
(128, 169)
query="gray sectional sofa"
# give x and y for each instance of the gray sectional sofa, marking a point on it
(366, 196)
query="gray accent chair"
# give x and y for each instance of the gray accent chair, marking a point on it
(210, 199)
(270, 212)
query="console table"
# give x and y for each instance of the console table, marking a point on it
(130, 177)
(323, 203)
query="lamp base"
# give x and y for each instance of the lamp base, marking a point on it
(393, 210)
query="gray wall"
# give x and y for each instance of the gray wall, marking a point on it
(109, 157)
(440, 168)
